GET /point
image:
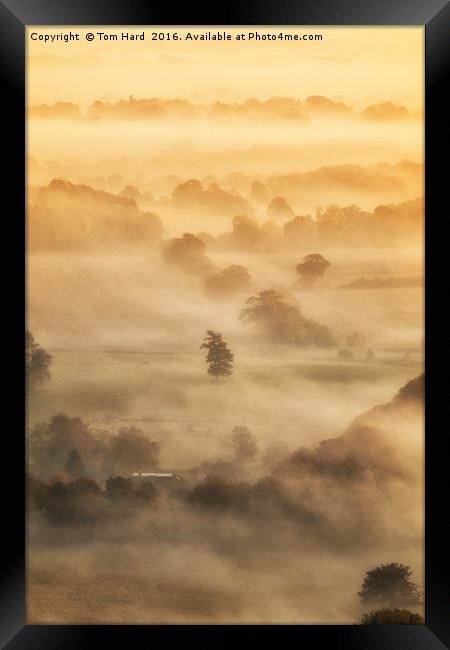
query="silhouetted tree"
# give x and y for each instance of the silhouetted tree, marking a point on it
(389, 586)
(193, 194)
(258, 192)
(244, 443)
(130, 449)
(74, 501)
(233, 279)
(188, 193)
(392, 617)
(188, 252)
(312, 267)
(131, 192)
(219, 356)
(37, 360)
(356, 340)
(279, 209)
(64, 434)
(36, 493)
(248, 234)
(74, 465)
(216, 492)
(147, 492)
(119, 488)
(278, 317)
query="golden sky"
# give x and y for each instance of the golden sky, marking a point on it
(360, 65)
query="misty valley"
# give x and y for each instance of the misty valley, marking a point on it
(224, 343)
(129, 392)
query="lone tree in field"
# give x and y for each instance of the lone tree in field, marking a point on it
(312, 267)
(219, 356)
(389, 587)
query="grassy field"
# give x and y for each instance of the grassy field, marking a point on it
(295, 400)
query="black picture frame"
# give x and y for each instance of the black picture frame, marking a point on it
(435, 16)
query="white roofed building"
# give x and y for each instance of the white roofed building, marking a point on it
(163, 481)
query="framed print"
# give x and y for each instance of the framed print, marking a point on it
(229, 230)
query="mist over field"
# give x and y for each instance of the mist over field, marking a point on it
(284, 226)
